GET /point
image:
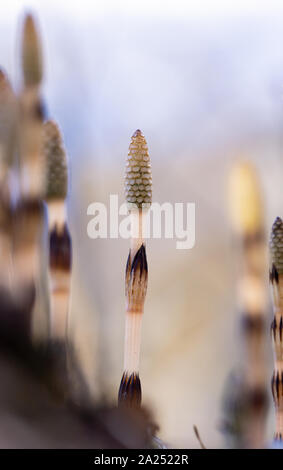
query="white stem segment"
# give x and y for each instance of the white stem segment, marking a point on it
(138, 227)
(57, 214)
(59, 303)
(133, 329)
(279, 424)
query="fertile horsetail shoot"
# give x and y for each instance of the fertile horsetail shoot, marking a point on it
(138, 192)
(248, 223)
(28, 220)
(276, 282)
(8, 134)
(60, 248)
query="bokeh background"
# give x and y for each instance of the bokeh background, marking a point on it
(204, 82)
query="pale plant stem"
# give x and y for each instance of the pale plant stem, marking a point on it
(277, 296)
(137, 227)
(133, 327)
(133, 320)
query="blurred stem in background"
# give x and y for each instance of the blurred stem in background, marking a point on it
(246, 397)
(60, 247)
(276, 282)
(8, 135)
(29, 212)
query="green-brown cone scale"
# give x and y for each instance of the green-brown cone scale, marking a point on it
(56, 162)
(276, 245)
(138, 180)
